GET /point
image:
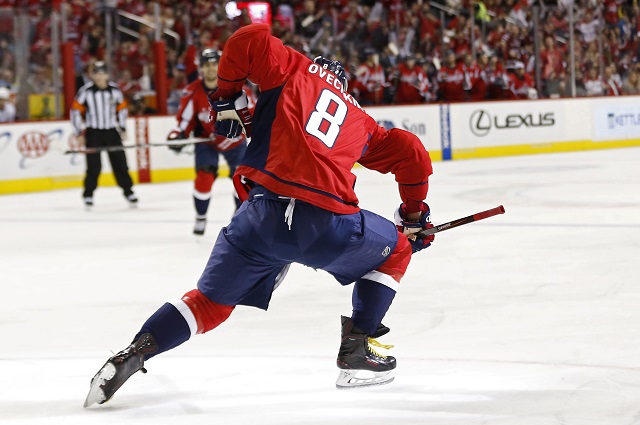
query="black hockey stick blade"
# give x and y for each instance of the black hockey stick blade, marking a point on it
(461, 221)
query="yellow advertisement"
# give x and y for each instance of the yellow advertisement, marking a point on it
(42, 106)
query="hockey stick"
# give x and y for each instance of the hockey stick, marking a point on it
(179, 142)
(459, 222)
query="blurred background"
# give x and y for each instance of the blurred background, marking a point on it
(396, 51)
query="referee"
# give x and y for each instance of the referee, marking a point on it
(98, 116)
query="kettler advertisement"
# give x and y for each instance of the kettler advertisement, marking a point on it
(616, 121)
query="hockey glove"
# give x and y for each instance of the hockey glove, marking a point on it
(176, 135)
(228, 129)
(236, 108)
(410, 227)
(223, 144)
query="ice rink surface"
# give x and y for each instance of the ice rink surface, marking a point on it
(528, 318)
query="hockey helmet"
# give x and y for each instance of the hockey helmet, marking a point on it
(209, 55)
(335, 67)
(99, 67)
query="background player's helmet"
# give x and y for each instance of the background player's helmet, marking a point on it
(209, 55)
(99, 67)
(335, 67)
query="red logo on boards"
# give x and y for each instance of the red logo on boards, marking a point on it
(33, 144)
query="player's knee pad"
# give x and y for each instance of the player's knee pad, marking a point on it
(204, 181)
(397, 263)
(206, 313)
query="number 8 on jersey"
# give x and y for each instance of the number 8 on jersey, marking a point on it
(325, 121)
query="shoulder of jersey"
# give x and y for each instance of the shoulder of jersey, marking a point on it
(87, 86)
(113, 85)
(192, 87)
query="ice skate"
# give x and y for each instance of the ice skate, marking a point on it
(88, 203)
(361, 365)
(199, 226)
(133, 200)
(118, 369)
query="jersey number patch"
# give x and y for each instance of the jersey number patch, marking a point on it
(325, 121)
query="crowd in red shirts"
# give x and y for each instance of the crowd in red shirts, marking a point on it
(395, 51)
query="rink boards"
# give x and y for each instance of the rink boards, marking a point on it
(32, 154)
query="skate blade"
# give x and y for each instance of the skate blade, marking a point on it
(96, 394)
(353, 378)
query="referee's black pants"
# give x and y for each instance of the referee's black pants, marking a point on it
(100, 138)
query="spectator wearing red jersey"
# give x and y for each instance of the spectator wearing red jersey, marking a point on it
(497, 79)
(495, 36)
(410, 80)
(370, 80)
(611, 81)
(127, 85)
(512, 43)
(429, 23)
(127, 57)
(450, 80)
(475, 78)
(551, 58)
(521, 84)
(460, 44)
(611, 11)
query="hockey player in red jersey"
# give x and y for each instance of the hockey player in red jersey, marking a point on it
(193, 117)
(307, 134)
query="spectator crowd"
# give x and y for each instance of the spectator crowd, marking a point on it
(395, 51)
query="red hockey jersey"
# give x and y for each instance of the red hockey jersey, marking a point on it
(307, 133)
(194, 111)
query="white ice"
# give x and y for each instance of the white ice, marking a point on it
(527, 318)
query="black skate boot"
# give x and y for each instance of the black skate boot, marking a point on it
(119, 368)
(356, 357)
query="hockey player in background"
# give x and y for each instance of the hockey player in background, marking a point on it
(193, 116)
(300, 207)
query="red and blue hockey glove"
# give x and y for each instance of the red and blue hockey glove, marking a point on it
(223, 144)
(229, 129)
(236, 109)
(411, 226)
(176, 135)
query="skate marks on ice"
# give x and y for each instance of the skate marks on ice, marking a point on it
(294, 390)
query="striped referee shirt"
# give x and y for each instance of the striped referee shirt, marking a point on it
(101, 109)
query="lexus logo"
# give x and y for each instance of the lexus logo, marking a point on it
(481, 122)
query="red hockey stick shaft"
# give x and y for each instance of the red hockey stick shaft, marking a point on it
(459, 222)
